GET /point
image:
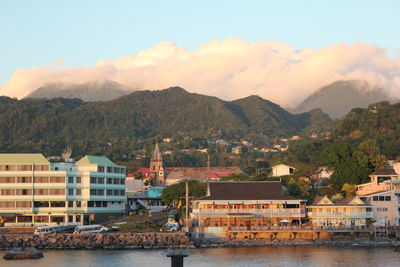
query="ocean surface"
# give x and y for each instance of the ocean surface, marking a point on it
(220, 257)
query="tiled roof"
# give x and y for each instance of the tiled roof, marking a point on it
(198, 172)
(384, 172)
(257, 190)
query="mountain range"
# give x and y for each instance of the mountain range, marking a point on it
(340, 97)
(146, 114)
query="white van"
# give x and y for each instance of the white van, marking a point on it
(44, 230)
(90, 229)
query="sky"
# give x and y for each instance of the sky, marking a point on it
(50, 41)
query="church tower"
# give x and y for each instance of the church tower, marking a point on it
(156, 167)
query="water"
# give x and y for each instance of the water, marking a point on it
(220, 257)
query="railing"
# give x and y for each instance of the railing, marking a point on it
(340, 214)
(302, 228)
(265, 212)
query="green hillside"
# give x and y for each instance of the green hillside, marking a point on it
(40, 124)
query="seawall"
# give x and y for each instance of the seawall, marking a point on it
(95, 241)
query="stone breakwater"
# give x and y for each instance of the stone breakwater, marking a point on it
(96, 241)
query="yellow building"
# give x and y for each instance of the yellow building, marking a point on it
(348, 212)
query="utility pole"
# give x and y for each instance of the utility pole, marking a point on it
(208, 162)
(187, 207)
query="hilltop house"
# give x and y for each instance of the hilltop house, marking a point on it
(282, 170)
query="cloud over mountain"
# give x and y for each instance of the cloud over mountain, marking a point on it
(229, 69)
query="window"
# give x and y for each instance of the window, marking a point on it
(23, 204)
(57, 191)
(375, 198)
(70, 192)
(116, 181)
(41, 179)
(41, 204)
(78, 218)
(100, 180)
(57, 204)
(78, 204)
(369, 209)
(109, 192)
(7, 180)
(100, 192)
(122, 181)
(122, 192)
(70, 180)
(24, 179)
(70, 204)
(387, 198)
(381, 198)
(116, 192)
(100, 169)
(41, 192)
(59, 179)
(93, 192)
(78, 180)
(70, 218)
(109, 180)
(93, 180)
(23, 192)
(78, 192)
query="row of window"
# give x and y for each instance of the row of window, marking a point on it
(15, 204)
(111, 169)
(381, 198)
(101, 180)
(38, 179)
(100, 204)
(74, 192)
(109, 192)
(381, 209)
(72, 180)
(24, 167)
(28, 192)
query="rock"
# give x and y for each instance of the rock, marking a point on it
(23, 254)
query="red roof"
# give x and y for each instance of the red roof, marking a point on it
(216, 175)
(142, 170)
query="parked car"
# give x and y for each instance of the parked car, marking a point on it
(91, 229)
(173, 226)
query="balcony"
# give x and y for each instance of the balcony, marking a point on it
(339, 215)
(256, 212)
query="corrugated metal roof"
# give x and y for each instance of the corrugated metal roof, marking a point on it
(23, 158)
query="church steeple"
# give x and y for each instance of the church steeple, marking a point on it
(156, 166)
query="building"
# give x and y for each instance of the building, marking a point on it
(282, 170)
(348, 212)
(383, 193)
(148, 199)
(156, 167)
(34, 191)
(232, 207)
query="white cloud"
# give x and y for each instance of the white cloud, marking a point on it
(229, 69)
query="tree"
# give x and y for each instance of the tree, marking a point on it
(298, 187)
(173, 193)
(349, 190)
(348, 166)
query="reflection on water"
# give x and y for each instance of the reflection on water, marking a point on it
(221, 257)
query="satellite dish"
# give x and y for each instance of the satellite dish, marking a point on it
(67, 152)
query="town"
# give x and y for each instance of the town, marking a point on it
(43, 193)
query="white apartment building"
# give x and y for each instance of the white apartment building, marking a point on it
(34, 191)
